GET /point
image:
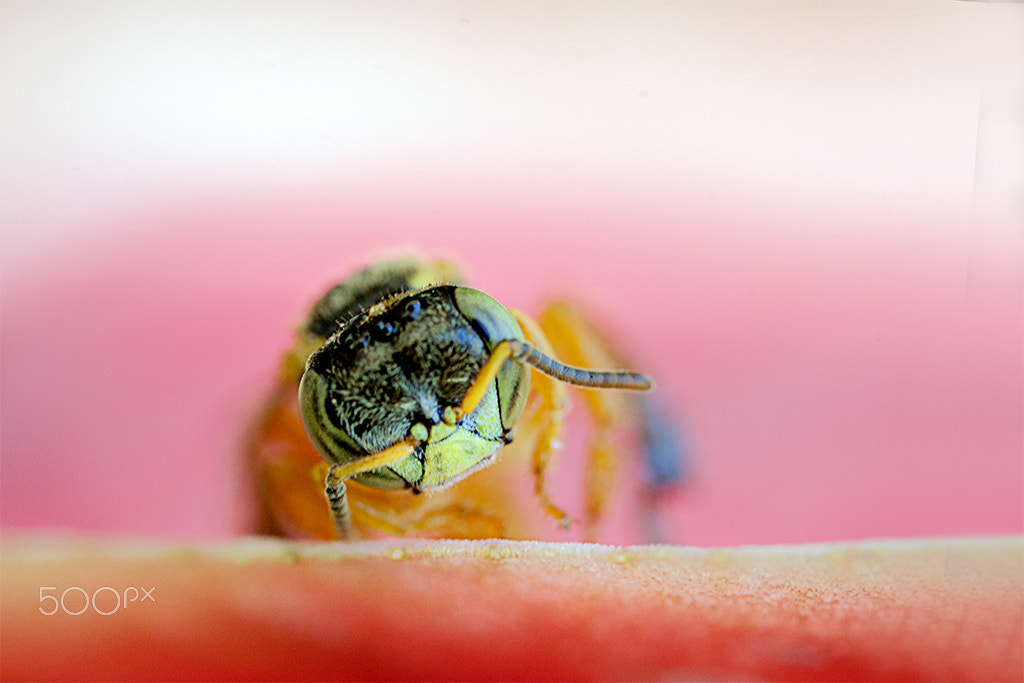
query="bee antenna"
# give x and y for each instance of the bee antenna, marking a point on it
(525, 352)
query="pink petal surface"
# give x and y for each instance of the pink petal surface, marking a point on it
(418, 610)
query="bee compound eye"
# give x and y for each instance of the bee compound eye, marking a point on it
(495, 324)
(321, 420)
(489, 318)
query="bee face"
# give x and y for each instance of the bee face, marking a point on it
(405, 379)
(408, 361)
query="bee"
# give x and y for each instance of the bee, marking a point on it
(404, 381)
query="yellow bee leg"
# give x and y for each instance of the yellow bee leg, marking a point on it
(367, 516)
(579, 343)
(536, 352)
(482, 383)
(550, 414)
(336, 476)
(600, 479)
(457, 520)
(396, 513)
(541, 358)
(373, 509)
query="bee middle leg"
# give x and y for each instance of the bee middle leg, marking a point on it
(577, 341)
(550, 415)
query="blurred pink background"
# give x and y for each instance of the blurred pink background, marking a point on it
(804, 220)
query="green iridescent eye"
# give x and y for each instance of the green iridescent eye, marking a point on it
(495, 324)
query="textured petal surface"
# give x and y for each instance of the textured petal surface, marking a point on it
(259, 609)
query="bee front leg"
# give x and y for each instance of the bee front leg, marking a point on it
(337, 497)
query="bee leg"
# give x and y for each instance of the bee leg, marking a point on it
(338, 473)
(337, 499)
(553, 404)
(551, 413)
(613, 413)
(458, 520)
